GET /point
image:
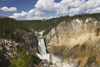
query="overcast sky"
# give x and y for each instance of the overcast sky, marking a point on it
(46, 9)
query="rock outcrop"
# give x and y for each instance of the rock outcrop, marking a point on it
(31, 41)
(8, 46)
(78, 38)
(73, 63)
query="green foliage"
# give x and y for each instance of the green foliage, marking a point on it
(23, 55)
(14, 60)
(62, 55)
(50, 60)
(12, 64)
(8, 27)
(67, 59)
(34, 59)
(24, 60)
(20, 63)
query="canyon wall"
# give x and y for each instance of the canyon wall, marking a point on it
(78, 38)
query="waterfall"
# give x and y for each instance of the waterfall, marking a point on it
(42, 49)
(44, 55)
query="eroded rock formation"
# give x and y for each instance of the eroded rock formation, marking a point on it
(78, 38)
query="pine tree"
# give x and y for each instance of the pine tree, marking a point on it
(20, 63)
(14, 60)
(24, 60)
(50, 60)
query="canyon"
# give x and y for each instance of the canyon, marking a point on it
(58, 42)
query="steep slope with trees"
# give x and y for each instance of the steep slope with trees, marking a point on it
(14, 35)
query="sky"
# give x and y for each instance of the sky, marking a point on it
(46, 9)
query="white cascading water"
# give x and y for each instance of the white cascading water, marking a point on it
(42, 49)
(44, 55)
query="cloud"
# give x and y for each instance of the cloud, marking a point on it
(96, 10)
(8, 9)
(18, 15)
(62, 11)
(34, 12)
(36, 18)
(74, 11)
(45, 5)
(90, 4)
(64, 7)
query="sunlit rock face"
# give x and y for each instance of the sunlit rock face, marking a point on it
(78, 38)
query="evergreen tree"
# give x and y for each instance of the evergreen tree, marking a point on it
(62, 56)
(50, 60)
(14, 60)
(24, 60)
(20, 60)
(20, 63)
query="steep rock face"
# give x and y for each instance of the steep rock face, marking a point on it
(77, 38)
(8, 47)
(31, 42)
